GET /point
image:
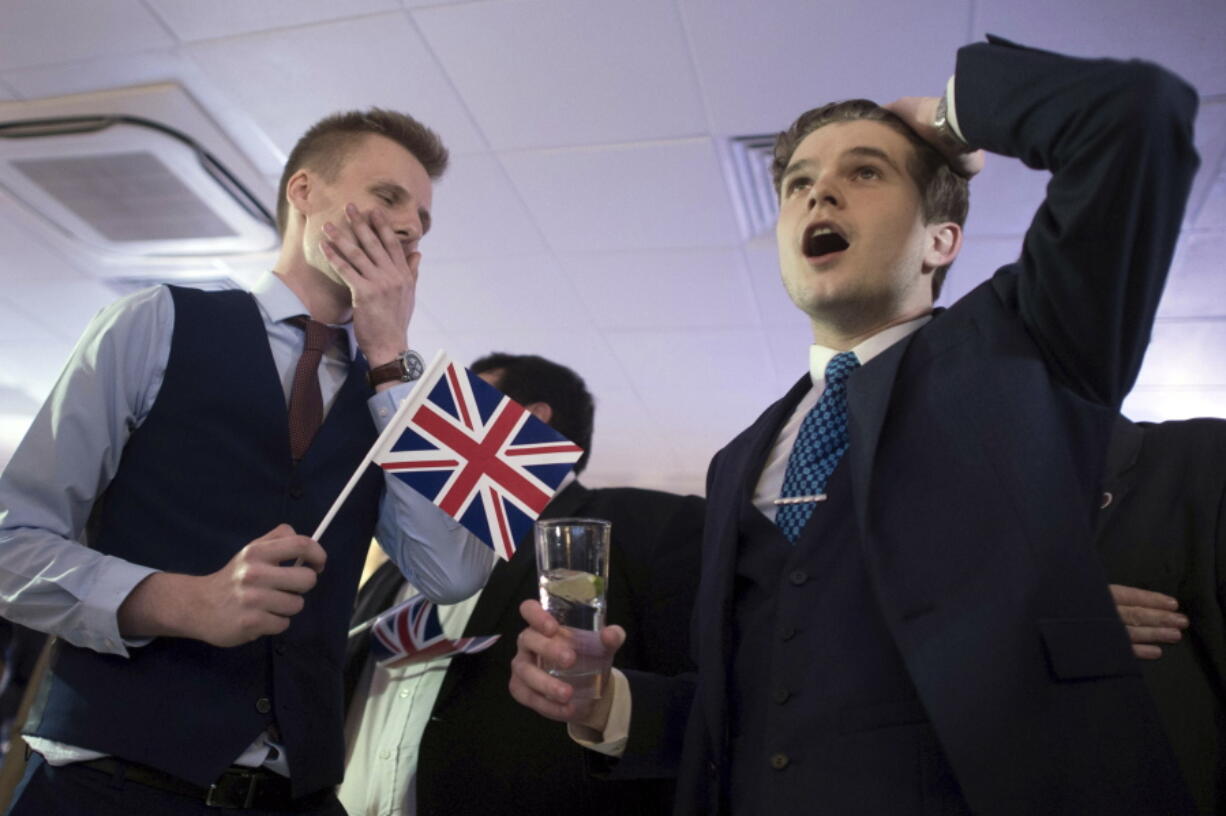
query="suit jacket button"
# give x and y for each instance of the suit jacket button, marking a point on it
(781, 696)
(295, 492)
(788, 633)
(798, 577)
(779, 761)
(263, 705)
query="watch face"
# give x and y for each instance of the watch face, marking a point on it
(412, 365)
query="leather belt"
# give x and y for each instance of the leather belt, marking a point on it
(237, 788)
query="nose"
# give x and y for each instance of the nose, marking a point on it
(824, 192)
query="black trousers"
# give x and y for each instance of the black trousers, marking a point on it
(72, 790)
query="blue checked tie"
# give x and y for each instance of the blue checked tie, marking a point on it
(819, 446)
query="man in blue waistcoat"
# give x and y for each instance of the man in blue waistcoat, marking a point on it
(193, 441)
(900, 609)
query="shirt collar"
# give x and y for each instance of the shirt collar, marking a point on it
(279, 303)
(820, 356)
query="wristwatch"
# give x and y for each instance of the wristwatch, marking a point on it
(945, 131)
(407, 366)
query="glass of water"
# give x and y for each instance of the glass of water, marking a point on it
(572, 560)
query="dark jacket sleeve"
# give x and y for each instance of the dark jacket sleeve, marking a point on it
(1117, 138)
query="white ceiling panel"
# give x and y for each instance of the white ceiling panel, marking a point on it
(584, 350)
(1159, 404)
(789, 348)
(378, 60)
(761, 64)
(666, 289)
(1210, 138)
(18, 325)
(1185, 352)
(193, 20)
(492, 294)
(478, 213)
(1184, 35)
(75, 304)
(1212, 214)
(41, 32)
(34, 366)
(630, 447)
(775, 308)
(658, 195)
(517, 66)
(710, 384)
(1004, 197)
(1197, 283)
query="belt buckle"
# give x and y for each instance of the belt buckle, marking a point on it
(228, 791)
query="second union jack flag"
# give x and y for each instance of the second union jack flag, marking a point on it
(481, 457)
(411, 632)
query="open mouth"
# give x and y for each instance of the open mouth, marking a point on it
(823, 239)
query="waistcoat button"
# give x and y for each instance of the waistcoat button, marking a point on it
(798, 577)
(779, 761)
(263, 705)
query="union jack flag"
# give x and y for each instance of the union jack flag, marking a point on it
(482, 458)
(411, 632)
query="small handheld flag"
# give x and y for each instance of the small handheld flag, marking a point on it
(411, 632)
(481, 457)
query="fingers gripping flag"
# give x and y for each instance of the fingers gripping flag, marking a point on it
(411, 631)
(482, 458)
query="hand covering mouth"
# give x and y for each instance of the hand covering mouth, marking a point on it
(823, 239)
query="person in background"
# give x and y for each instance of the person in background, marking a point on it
(1162, 538)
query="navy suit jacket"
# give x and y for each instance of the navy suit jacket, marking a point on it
(976, 452)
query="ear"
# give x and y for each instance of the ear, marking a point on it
(541, 410)
(300, 191)
(944, 244)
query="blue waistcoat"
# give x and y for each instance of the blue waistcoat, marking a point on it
(823, 717)
(208, 471)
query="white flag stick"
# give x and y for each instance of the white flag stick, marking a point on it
(411, 402)
(361, 627)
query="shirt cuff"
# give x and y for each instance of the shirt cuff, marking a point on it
(384, 403)
(111, 589)
(617, 730)
(951, 110)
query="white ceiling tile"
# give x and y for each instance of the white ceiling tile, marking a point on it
(517, 66)
(18, 325)
(650, 196)
(1160, 404)
(1196, 286)
(583, 350)
(708, 386)
(1213, 214)
(6, 91)
(775, 308)
(290, 79)
(630, 447)
(789, 349)
(664, 289)
(478, 214)
(1185, 36)
(1004, 198)
(12, 429)
(762, 64)
(1210, 135)
(40, 32)
(72, 303)
(492, 294)
(34, 367)
(1185, 352)
(193, 20)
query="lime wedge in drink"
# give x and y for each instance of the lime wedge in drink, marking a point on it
(576, 587)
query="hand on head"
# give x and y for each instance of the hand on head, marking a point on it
(919, 113)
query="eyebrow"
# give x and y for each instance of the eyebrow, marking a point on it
(859, 150)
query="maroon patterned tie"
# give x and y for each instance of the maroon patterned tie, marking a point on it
(306, 404)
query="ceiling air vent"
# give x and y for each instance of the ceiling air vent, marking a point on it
(748, 162)
(107, 174)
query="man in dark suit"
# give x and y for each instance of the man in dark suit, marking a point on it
(479, 752)
(1162, 537)
(932, 632)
